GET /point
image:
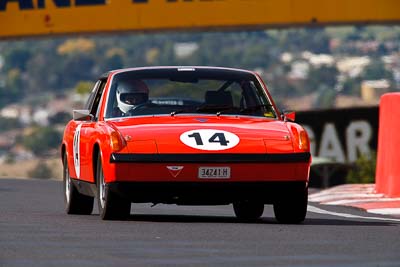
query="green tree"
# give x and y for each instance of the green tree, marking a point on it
(41, 171)
(325, 76)
(376, 71)
(8, 124)
(363, 170)
(351, 86)
(42, 140)
(77, 67)
(13, 89)
(326, 97)
(60, 118)
(83, 87)
(16, 58)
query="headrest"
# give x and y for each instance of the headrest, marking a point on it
(218, 98)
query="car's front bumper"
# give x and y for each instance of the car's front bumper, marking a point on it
(243, 167)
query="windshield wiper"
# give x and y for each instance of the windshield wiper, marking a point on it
(218, 109)
(178, 111)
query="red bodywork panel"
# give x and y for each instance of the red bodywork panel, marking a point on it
(163, 134)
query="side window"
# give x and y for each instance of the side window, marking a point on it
(93, 101)
(89, 102)
(94, 110)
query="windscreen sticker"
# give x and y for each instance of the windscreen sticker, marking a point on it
(76, 151)
(210, 139)
(269, 114)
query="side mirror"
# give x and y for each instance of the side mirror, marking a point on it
(82, 115)
(289, 116)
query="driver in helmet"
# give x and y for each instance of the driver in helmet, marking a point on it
(130, 94)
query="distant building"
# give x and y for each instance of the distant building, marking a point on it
(21, 113)
(184, 50)
(10, 112)
(321, 60)
(41, 117)
(353, 66)
(372, 90)
(286, 57)
(299, 70)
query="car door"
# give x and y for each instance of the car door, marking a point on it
(86, 132)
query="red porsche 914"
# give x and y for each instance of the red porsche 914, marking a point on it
(185, 136)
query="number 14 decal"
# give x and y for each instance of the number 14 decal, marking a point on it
(216, 138)
(209, 139)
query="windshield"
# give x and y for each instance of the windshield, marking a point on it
(155, 92)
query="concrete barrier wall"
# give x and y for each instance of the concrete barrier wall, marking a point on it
(387, 179)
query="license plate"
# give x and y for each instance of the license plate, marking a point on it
(215, 172)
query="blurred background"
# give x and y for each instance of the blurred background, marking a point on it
(306, 69)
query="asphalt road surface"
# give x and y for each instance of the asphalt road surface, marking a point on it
(35, 231)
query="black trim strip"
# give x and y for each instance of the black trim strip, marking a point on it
(210, 158)
(85, 188)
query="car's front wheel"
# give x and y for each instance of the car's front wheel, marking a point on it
(111, 206)
(291, 208)
(75, 202)
(248, 210)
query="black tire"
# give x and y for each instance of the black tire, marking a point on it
(111, 206)
(291, 208)
(75, 202)
(248, 210)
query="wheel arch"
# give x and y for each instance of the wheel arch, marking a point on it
(63, 152)
(95, 154)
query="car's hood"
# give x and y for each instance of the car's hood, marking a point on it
(204, 134)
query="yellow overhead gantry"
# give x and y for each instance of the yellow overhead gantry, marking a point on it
(21, 18)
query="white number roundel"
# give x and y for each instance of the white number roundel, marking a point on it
(209, 139)
(76, 151)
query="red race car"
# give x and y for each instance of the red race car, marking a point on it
(186, 136)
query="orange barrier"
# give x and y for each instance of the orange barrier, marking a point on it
(387, 179)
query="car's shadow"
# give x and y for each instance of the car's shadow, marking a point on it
(162, 218)
(193, 219)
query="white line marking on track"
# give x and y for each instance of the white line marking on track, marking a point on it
(346, 215)
(338, 196)
(367, 200)
(385, 211)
